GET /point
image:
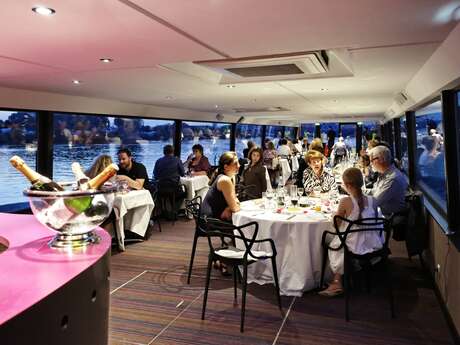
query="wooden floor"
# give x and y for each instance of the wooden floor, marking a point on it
(152, 304)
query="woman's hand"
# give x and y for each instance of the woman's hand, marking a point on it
(226, 214)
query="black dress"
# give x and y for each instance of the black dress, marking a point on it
(214, 202)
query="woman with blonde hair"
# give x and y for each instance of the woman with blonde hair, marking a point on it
(100, 163)
(353, 207)
(316, 177)
(317, 145)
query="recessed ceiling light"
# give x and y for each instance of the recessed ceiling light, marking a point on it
(231, 86)
(106, 60)
(75, 81)
(334, 100)
(216, 106)
(44, 11)
(324, 89)
(168, 97)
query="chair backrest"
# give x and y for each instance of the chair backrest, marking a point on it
(223, 230)
(376, 224)
(193, 207)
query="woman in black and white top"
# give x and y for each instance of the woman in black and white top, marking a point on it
(316, 177)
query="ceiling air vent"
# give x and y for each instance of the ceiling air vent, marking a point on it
(259, 110)
(305, 64)
(401, 98)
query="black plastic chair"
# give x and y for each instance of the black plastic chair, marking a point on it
(193, 207)
(380, 225)
(234, 257)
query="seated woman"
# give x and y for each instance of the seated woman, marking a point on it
(316, 177)
(254, 174)
(270, 161)
(198, 164)
(370, 176)
(353, 207)
(221, 202)
(100, 163)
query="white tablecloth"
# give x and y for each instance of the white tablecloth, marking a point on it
(297, 241)
(196, 186)
(132, 211)
(285, 170)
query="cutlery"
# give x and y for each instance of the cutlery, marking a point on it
(290, 217)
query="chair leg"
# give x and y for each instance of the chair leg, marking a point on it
(323, 267)
(277, 285)
(346, 282)
(243, 298)
(389, 288)
(235, 273)
(208, 278)
(159, 225)
(192, 257)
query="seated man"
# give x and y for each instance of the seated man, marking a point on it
(166, 175)
(132, 172)
(390, 188)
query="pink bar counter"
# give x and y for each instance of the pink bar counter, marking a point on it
(51, 291)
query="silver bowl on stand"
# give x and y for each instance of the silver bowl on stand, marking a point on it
(74, 214)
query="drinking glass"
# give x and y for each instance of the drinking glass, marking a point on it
(293, 190)
(294, 200)
(300, 191)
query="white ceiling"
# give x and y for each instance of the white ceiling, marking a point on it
(388, 41)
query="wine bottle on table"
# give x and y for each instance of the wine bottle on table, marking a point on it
(38, 181)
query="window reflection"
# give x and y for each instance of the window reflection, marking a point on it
(430, 170)
(18, 136)
(274, 133)
(329, 135)
(307, 131)
(246, 133)
(404, 146)
(348, 132)
(82, 138)
(214, 137)
(289, 133)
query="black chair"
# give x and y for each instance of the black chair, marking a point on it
(168, 197)
(380, 225)
(193, 207)
(234, 257)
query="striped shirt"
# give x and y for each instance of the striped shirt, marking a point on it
(325, 181)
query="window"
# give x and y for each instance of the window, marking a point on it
(274, 133)
(429, 163)
(289, 132)
(371, 130)
(404, 146)
(348, 132)
(307, 131)
(82, 138)
(214, 137)
(18, 136)
(245, 133)
(329, 133)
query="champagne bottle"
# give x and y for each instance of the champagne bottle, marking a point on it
(39, 182)
(80, 204)
(79, 174)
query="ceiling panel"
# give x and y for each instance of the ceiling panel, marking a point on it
(259, 27)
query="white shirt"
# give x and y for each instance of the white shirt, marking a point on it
(284, 150)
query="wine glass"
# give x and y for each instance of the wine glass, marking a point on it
(294, 200)
(300, 191)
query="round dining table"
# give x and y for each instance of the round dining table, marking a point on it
(297, 234)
